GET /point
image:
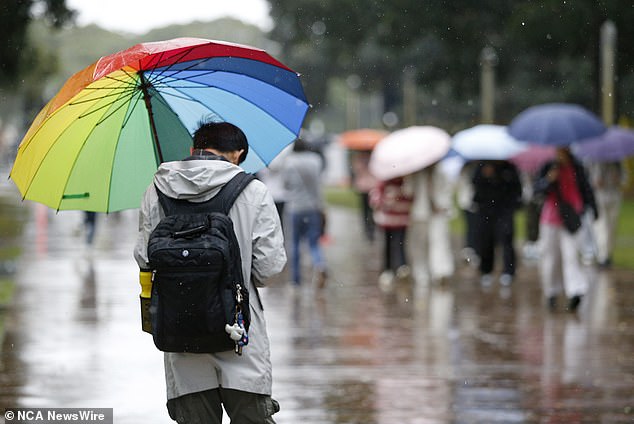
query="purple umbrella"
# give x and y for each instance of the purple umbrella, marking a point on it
(556, 124)
(614, 145)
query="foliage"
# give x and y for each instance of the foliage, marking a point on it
(15, 16)
(547, 50)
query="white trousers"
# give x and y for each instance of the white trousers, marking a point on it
(429, 248)
(559, 264)
(605, 226)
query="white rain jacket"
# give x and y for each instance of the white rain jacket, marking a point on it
(259, 235)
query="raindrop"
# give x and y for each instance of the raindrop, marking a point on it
(549, 37)
(318, 28)
(390, 119)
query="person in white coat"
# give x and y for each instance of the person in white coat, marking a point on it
(429, 233)
(608, 180)
(200, 384)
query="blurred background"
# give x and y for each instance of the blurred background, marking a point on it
(364, 64)
(372, 64)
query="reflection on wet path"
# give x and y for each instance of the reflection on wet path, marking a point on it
(349, 354)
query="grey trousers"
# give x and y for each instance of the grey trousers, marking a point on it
(206, 407)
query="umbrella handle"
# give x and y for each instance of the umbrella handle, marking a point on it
(148, 105)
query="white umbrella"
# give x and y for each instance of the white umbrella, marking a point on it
(408, 150)
(486, 142)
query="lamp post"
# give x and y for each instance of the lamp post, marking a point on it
(608, 68)
(353, 102)
(488, 62)
(409, 96)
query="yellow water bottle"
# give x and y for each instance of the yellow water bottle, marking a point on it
(145, 279)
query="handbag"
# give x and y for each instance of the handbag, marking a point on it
(570, 217)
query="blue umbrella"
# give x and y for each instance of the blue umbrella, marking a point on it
(556, 124)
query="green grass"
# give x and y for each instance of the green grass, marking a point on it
(7, 288)
(341, 196)
(624, 244)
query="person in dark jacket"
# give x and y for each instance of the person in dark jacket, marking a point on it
(497, 195)
(562, 180)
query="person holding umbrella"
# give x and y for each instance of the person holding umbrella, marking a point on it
(561, 182)
(391, 201)
(396, 162)
(608, 180)
(360, 143)
(603, 157)
(200, 385)
(497, 195)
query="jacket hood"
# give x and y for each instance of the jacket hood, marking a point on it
(196, 180)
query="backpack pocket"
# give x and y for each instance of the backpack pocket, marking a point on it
(188, 310)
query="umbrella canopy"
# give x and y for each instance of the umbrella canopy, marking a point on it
(615, 144)
(408, 150)
(486, 142)
(531, 159)
(361, 139)
(555, 124)
(96, 145)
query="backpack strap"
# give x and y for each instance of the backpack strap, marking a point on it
(221, 202)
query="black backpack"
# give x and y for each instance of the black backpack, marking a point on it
(198, 287)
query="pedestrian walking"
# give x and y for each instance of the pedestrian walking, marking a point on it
(90, 225)
(532, 210)
(305, 209)
(562, 181)
(464, 200)
(429, 236)
(362, 182)
(497, 195)
(608, 180)
(391, 202)
(199, 385)
(272, 177)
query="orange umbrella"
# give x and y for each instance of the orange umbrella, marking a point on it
(362, 139)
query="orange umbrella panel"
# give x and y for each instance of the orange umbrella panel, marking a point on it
(361, 139)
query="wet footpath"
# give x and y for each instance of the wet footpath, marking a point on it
(350, 353)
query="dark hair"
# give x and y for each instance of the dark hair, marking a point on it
(221, 136)
(301, 145)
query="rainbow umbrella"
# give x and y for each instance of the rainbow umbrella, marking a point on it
(96, 145)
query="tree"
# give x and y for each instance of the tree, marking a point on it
(547, 50)
(15, 16)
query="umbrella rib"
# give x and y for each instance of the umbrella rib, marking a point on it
(129, 115)
(226, 91)
(157, 80)
(116, 94)
(115, 110)
(169, 67)
(220, 116)
(122, 96)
